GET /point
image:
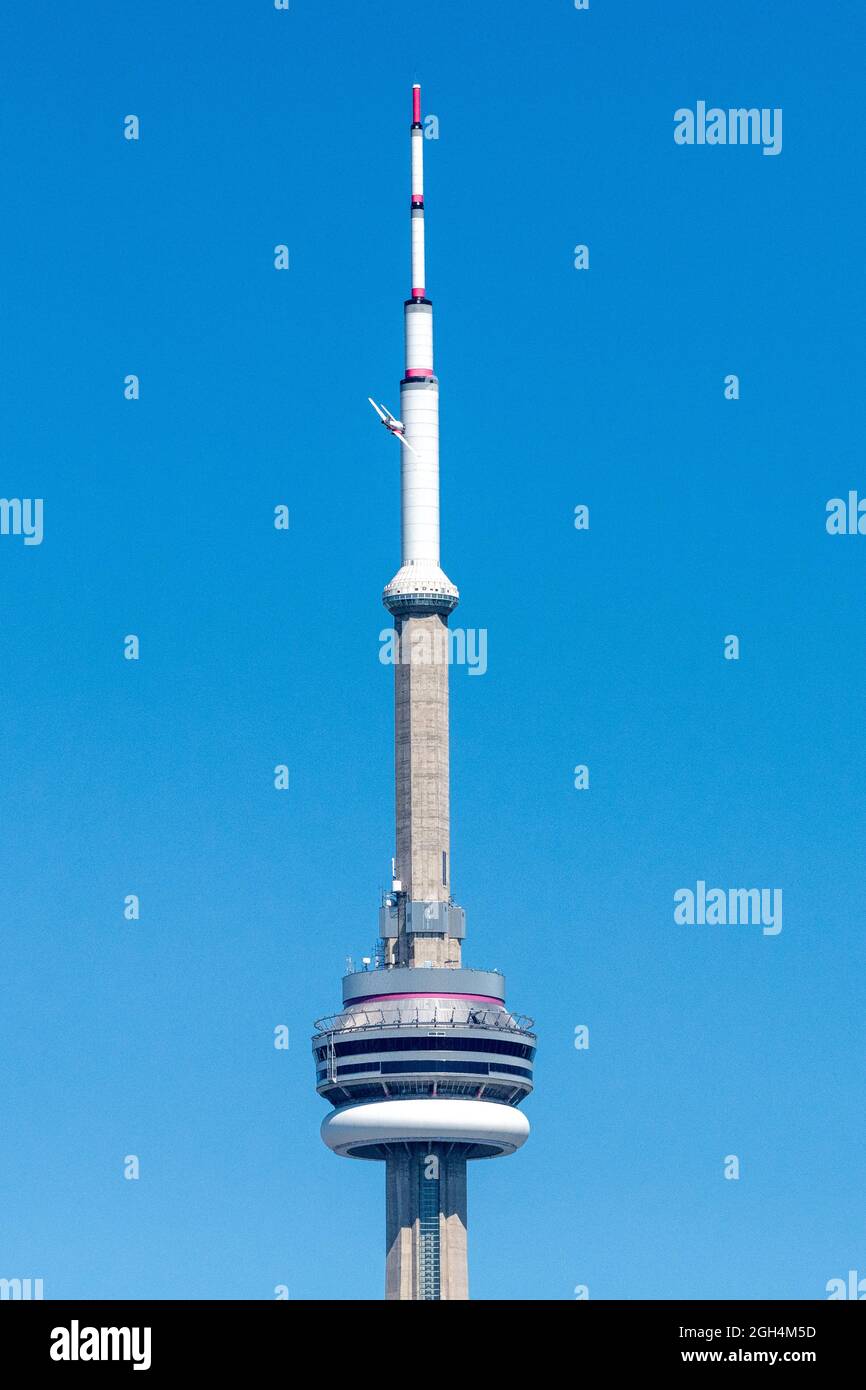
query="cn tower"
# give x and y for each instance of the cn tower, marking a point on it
(424, 1066)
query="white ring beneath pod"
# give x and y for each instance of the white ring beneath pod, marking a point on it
(501, 1128)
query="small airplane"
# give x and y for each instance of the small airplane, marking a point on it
(392, 424)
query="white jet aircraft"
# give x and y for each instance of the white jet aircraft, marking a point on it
(392, 424)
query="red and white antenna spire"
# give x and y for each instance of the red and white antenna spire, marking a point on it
(420, 583)
(420, 586)
(418, 274)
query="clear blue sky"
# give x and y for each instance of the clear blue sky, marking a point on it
(258, 647)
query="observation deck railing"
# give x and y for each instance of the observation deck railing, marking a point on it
(455, 1016)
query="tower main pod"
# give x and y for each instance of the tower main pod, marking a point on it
(425, 1066)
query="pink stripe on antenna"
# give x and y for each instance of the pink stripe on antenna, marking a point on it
(416, 104)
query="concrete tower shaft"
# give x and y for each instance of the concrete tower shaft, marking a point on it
(426, 1224)
(421, 759)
